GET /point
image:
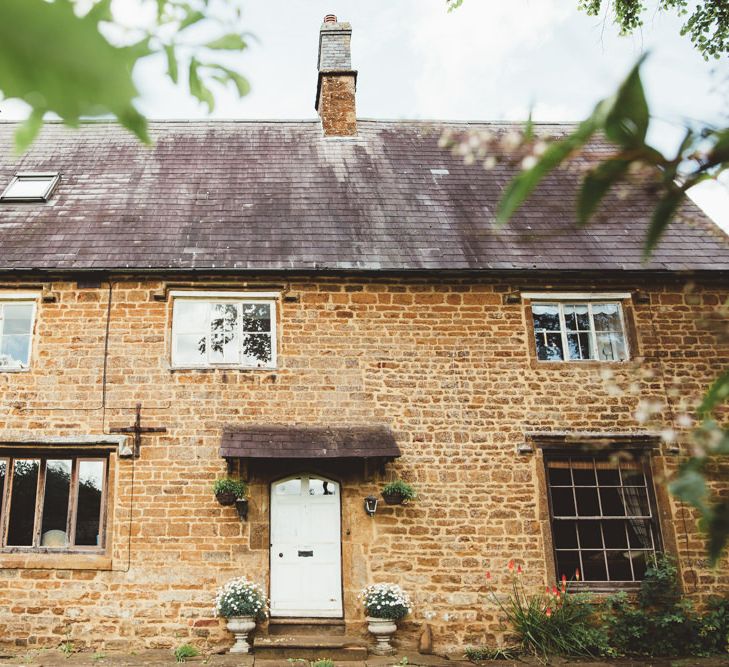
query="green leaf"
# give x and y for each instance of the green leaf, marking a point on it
(522, 185)
(229, 42)
(596, 185)
(718, 393)
(663, 213)
(230, 75)
(28, 131)
(627, 121)
(198, 88)
(60, 62)
(717, 526)
(172, 71)
(690, 486)
(101, 11)
(192, 17)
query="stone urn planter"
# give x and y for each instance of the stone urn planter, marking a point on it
(382, 629)
(241, 627)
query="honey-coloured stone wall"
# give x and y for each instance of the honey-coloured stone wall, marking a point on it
(447, 363)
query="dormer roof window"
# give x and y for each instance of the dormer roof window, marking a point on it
(29, 186)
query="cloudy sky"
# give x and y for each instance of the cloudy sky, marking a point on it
(489, 60)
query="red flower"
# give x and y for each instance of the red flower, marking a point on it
(511, 564)
(547, 590)
(577, 574)
(488, 574)
(554, 590)
(519, 570)
(548, 612)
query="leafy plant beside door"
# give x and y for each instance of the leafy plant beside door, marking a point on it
(398, 492)
(229, 489)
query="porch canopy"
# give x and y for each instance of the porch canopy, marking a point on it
(309, 442)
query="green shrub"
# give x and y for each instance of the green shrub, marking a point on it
(230, 485)
(556, 622)
(386, 601)
(240, 597)
(660, 622)
(714, 628)
(400, 487)
(185, 651)
(323, 662)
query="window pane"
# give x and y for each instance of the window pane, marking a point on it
(17, 318)
(321, 487)
(563, 502)
(22, 506)
(189, 350)
(29, 187)
(606, 317)
(584, 473)
(639, 534)
(55, 504)
(546, 317)
(565, 534)
(549, 346)
(577, 318)
(632, 474)
(224, 333)
(291, 487)
(587, 504)
(615, 535)
(190, 316)
(593, 566)
(559, 474)
(590, 536)
(256, 317)
(14, 351)
(607, 474)
(88, 511)
(611, 347)
(567, 563)
(612, 502)
(619, 566)
(640, 563)
(580, 346)
(256, 349)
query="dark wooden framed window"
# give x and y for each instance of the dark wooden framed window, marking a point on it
(603, 516)
(52, 501)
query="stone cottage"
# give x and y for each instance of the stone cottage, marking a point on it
(321, 307)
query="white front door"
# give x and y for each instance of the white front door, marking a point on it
(306, 556)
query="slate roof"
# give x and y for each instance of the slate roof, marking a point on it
(308, 442)
(278, 196)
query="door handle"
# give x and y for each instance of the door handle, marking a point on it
(306, 554)
(280, 555)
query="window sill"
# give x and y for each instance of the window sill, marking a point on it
(55, 561)
(15, 370)
(604, 587)
(177, 369)
(592, 364)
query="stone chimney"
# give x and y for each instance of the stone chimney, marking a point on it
(335, 90)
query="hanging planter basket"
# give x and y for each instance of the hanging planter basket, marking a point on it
(226, 498)
(393, 498)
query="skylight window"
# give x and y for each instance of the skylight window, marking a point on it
(30, 187)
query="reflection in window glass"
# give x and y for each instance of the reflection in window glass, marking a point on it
(581, 331)
(322, 487)
(55, 504)
(16, 327)
(88, 513)
(547, 332)
(291, 487)
(236, 333)
(22, 507)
